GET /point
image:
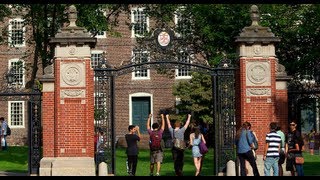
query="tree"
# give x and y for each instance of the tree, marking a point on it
(214, 26)
(4, 12)
(46, 19)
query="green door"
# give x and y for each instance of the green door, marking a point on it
(140, 112)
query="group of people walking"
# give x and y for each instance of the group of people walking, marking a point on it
(279, 148)
(155, 131)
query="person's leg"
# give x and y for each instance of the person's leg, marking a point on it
(134, 164)
(129, 164)
(267, 166)
(152, 160)
(202, 159)
(158, 168)
(299, 168)
(280, 169)
(252, 161)
(180, 162)
(159, 160)
(275, 166)
(242, 162)
(282, 158)
(5, 144)
(175, 163)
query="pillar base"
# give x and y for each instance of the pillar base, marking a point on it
(67, 166)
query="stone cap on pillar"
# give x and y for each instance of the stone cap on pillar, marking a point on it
(281, 74)
(256, 33)
(72, 34)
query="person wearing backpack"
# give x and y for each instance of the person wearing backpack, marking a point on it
(156, 153)
(3, 134)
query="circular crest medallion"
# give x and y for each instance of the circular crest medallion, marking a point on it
(163, 38)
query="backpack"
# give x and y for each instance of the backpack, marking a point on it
(8, 130)
(155, 141)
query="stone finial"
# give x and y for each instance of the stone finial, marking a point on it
(72, 16)
(255, 17)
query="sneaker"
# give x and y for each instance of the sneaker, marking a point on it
(157, 174)
(151, 174)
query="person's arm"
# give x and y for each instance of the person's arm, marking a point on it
(162, 122)
(168, 121)
(148, 121)
(138, 131)
(191, 139)
(203, 139)
(187, 122)
(265, 151)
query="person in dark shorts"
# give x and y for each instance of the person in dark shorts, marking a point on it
(156, 155)
(294, 148)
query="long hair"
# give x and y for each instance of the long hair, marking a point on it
(196, 131)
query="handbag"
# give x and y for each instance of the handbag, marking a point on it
(299, 160)
(179, 144)
(203, 147)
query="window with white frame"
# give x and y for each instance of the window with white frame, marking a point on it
(16, 68)
(183, 71)
(140, 72)
(140, 22)
(16, 32)
(16, 113)
(182, 22)
(96, 57)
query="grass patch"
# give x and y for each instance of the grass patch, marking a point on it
(311, 164)
(15, 159)
(167, 165)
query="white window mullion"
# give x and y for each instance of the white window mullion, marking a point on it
(16, 32)
(16, 114)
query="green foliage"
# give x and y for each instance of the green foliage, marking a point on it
(196, 96)
(4, 12)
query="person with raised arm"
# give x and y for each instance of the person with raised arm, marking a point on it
(156, 152)
(178, 133)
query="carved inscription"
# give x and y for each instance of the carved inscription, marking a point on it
(258, 92)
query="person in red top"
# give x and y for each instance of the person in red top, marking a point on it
(156, 155)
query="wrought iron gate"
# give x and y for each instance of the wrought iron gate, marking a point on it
(223, 84)
(32, 100)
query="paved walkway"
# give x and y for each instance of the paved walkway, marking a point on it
(260, 164)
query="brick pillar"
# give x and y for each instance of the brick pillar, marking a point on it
(48, 112)
(69, 125)
(257, 78)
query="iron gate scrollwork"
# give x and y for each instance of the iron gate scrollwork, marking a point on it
(223, 80)
(32, 99)
(224, 115)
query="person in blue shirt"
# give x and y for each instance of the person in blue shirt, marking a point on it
(245, 145)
